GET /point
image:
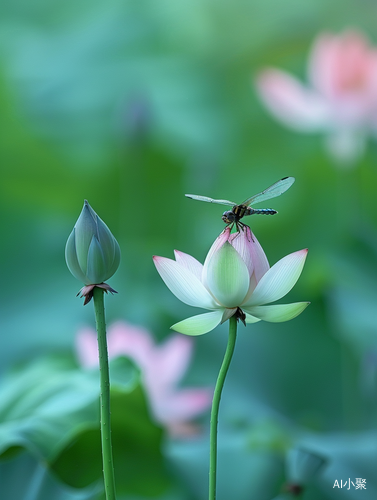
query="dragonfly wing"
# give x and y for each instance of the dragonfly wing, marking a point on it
(271, 192)
(210, 200)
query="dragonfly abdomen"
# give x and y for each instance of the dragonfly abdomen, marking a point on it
(261, 211)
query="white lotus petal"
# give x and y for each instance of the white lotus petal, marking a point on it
(227, 276)
(183, 283)
(200, 324)
(228, 313)
(278, 280)
(190, 263)
(250, 318)
(242, 241)
(277, 313)
(217, 244)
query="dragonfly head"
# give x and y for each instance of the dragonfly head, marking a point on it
(229, 217)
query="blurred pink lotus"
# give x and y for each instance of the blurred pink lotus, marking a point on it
(162, 367)
(342, 100)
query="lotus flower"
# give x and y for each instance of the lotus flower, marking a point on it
(162, 367)
(341, 99)
(235, 279)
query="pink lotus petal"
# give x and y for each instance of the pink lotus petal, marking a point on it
(342, 102)
(341, 65)
(291, 102)
(162, 366)
(172, 358)
(125, 339)
(259, 258)
(183, 405)
(87, 347)
(256, 255)
(344, 69)
(324, 53)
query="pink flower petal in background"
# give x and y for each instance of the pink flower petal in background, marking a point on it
(291, 102)
(344, 68)
(162, 367)
(172, 358)
(133, 341)
(340, 99)
(87, 347)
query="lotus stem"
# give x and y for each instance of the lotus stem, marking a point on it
(107, 454)
(216, 404)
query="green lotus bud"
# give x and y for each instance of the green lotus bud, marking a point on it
(92, 253)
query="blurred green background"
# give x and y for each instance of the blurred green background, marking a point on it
(133, 104)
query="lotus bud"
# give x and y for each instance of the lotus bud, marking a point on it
(92, 253)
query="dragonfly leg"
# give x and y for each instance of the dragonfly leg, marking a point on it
(241, 226)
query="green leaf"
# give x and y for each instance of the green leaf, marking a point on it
(37, 482)
(124, 373)
(51, 409)
(43, 406)
(136, 450)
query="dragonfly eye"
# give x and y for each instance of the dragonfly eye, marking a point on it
(228, 217)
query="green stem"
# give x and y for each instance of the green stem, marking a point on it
(215, 406)
(107, 455)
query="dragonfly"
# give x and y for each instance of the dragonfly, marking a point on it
(234, 216)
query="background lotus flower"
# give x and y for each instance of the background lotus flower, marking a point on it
(92, 253)
(162, 367)
(341, 99)
(235, 280)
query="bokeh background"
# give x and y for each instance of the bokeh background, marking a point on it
(131, 105)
